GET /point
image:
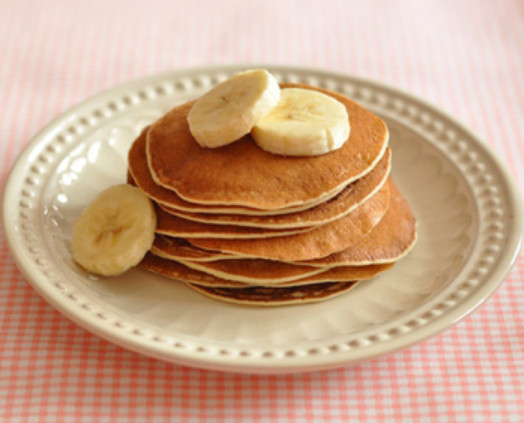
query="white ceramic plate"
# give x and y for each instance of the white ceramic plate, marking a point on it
(470, 225)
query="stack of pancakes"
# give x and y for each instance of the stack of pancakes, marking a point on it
(242, 225)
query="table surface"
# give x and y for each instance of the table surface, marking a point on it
(464, 56)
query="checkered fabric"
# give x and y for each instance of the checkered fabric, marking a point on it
(465, 56)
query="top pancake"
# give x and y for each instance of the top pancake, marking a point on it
(243, 174)
(141, 176)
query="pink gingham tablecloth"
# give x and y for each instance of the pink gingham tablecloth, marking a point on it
(465, 56)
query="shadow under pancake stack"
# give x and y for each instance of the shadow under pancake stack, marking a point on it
(243, 225)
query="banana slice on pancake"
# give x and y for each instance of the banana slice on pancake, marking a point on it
(115, 231)
(230, 110)
(304, 123)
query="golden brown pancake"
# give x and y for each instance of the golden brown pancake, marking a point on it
(180, 249)
(245, 226)
(317, 243)
(269, 273)
(349, 199)
(263, 296)
(389, 241)
(243, 174)
(142, 178)
(177, 271)
(255, 271)
(174, 226)
(174, 270)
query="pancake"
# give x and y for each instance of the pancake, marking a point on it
(277, 296)
(179, 272)
(137, 161)
(317, 243)
(389, 241)
(168, 224)
(269, 273)
(255, 271)
(179, 249)
(243, 174)
(176, 271)
(349, 199)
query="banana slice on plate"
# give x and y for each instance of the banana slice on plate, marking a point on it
(115, 231)
(304, 123)
(230, 110)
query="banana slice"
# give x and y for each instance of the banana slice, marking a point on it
(115, 231)
(228, 111)
(304, 123)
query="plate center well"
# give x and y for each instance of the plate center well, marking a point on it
(433, 187)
